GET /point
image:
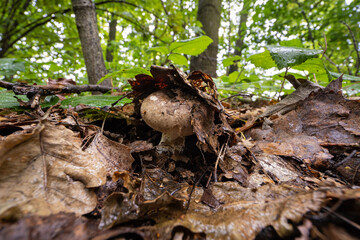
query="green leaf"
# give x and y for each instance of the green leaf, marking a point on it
(191, 47)
(263, 60)
(315, 65)
(291, 56)
(345, 76)
(292, 43)
(7, 99)
(94, 100)
(163, 50)
(178, 59)
(230, 60)
(130, 73)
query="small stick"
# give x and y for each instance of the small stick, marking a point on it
(220, 155)
(345, 159)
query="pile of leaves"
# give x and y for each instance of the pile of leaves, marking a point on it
(95, 173)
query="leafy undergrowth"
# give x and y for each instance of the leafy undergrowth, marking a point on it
(289, 170)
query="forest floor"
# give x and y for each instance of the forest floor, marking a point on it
(255, 170)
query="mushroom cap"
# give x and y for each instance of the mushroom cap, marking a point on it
(169, 112)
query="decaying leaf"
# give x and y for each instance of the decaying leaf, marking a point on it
(158, 190)
(45, 172)
(245, 212)
(115, 156)
(290, 102)
(323, 124)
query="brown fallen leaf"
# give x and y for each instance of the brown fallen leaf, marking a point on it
(46, 172)
(114, 155)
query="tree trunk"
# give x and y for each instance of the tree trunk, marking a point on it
(112, 37)
(239, 44)
(86, 23)
(209, 13)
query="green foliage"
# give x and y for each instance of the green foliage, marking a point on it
(128, 73)
(230, 60)
(345, 76)
(94, 101)
(42, 37)
(11, 66)
(8, 100)
(191, 47)
(291, 56)
(263, 60)
(178, 59)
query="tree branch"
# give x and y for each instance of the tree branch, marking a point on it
(134, 23)
(128, 3)
(355, 47)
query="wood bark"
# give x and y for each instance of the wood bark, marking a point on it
(209, 13)
(86, 24)
(239, 44)
(112, 37)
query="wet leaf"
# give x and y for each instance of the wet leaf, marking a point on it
(45, 172)
(291, 56)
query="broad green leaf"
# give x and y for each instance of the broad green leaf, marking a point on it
(262, 60)
(95, 100)
(291, 56)
(163, 50)
(230, 60)
(130, 73)
(292, 43)
(316, 66)
(191, 47)
(178, 59)
(7, 99)
(345, 76)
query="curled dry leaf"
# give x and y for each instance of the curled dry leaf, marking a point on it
(45, 172)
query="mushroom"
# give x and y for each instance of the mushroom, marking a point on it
(170, 111)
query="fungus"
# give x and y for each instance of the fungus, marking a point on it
(169, 111)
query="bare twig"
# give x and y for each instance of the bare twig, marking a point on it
(324, 50)
(236, 95)
(282, 84)
(355, 47)
(220, 156)
(345, 159)
(309, 28)
(46, 90)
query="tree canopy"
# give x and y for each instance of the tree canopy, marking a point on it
(39, 39)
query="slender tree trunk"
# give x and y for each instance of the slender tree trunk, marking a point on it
(239, 44)
(209, 13)
(86, 23)
(112, 37)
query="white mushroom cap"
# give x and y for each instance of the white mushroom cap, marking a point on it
(168, 114)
